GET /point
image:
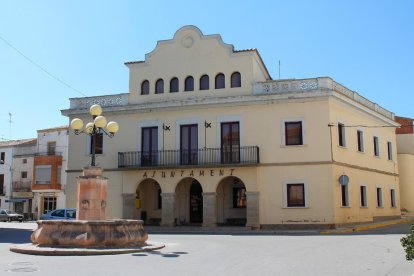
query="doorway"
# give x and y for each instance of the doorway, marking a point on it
(196, 202)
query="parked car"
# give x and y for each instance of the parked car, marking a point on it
(66, 213)
(8, 215)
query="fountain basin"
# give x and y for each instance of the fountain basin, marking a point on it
(90, 233)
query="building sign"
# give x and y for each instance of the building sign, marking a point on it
(188, 173)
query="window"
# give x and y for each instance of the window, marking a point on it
(3, 156)
(24, 174)
(189, 84)
(376, 147)
(204, 82)
(341, 135)
(174, 85)
(295, 195)
(293, 133)
(159, 86)
(2, 190)
(149, 146)
(145, 87)
(363, 191)
(360, 140)
(24, 161)
(239, 197)
(51, 148)
(230, 142)
(43, 174)
(235, 79)
(392, 193)
(98, 144)
(389, 148)
(220, 81)
(49, 204)
(344, 196)
(189, 144)
(379, 197)
(58, 213)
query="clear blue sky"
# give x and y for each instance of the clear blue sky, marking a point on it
(367, 46)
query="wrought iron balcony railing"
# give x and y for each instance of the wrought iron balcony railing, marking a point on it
(199, 157)
(49, 153)
(22, 186)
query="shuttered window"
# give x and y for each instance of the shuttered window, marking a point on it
(43, 174)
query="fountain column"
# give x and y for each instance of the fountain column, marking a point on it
(92, 192)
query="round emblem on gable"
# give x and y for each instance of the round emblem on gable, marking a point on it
(187, 41)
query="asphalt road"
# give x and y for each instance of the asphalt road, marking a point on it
(373, 252)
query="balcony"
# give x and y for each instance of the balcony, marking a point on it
(22, 186)
(193, 158)
(49, 153)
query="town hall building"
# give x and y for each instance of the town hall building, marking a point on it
(208, 138)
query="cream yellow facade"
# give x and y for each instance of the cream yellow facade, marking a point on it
(244, 150)
(405, 145)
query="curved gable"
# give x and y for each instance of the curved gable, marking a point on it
(191, 53)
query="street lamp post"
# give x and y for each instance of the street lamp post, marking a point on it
(95, 128)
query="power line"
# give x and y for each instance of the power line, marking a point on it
(41, 68)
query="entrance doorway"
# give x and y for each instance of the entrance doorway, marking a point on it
(148, 202)
(196, 202)
(231, 202)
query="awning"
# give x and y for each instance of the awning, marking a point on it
(17, 200)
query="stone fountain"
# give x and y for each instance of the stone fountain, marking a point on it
(91, 229)
(91, 233)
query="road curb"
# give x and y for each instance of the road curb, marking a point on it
(32, 249)
(366, 227)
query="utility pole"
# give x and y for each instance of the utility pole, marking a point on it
(279, 69)
(10, 126)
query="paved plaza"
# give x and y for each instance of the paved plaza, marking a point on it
(373, 252)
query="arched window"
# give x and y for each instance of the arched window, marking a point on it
(236, 79)
(159, 86)
(189, 84)
(145, 87)
(174, 85)
(204, 82)
(220, 81)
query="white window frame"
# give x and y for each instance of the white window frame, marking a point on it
(285, 201)
(228, 119)
(379, 200)
(283, 130)
(364, 196)
(343, 133)
(390, 156)
(393, 198)
(362, 140)
(149, 123)
(376, 144)
(347, 201)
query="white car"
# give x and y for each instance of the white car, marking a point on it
(8, 215)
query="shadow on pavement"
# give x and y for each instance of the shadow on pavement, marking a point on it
(16, 236)
(396, 229)
(165, 255)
